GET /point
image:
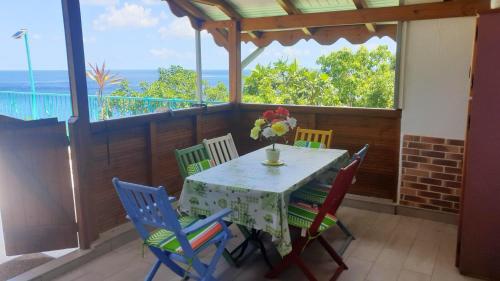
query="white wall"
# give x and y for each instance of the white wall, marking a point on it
(436, 57)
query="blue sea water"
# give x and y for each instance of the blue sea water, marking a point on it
(56, 81)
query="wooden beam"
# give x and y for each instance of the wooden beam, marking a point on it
(290, 8)
(226, 9)
(234, 49)
(361, 4)
(449, 9)
(196, 16)
(223, 6)
(355, 34)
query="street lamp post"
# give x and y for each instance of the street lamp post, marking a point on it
(23, 33)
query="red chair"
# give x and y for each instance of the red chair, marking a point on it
(315, 221)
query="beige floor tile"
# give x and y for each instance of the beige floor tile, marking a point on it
(358, 270)
(396, 250)
(388, 248)
(430, 230)
(408, 275)
(422, 256)
(72, 275)
(372, 242)
(90, 276)
(113, 263)
(135, 271)
(383, 272)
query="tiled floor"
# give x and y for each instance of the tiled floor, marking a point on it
(388, 247)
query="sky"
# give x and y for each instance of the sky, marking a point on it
(132, 34)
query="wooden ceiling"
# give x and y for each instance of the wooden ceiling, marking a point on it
(289, 25)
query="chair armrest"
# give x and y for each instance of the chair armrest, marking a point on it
(207, 221)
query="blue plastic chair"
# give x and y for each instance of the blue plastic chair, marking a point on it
(150, 207)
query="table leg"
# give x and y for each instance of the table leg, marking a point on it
(252, 238)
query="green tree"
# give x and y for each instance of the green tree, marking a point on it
(282, 82)
(363, 78)
(174, 82)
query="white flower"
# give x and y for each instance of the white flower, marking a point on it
(268, 132)
(292, 122)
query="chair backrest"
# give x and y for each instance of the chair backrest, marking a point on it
(336, 194)
(324, 137)
(221, 149)
(190, 155)
(147, 206)
(361, 153)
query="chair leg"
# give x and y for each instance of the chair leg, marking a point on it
(164, 257)
(346, 230)
(332, 252)
(297, 247)
(341, 265)
(153, 271)
(305, 269)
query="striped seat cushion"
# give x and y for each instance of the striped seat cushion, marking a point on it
(311, 193)
(302, 216)
(199, 166)
(310, 144)
(167, 241)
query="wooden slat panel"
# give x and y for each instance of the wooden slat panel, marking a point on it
(123, 148)
(37, 198)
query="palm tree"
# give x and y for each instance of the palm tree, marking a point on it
(102, 77)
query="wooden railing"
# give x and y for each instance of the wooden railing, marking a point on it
(140, 149)
(352, 128)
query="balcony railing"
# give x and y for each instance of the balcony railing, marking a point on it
(49, 105)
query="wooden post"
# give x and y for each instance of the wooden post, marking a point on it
(79, 124)
(234, 49)
(76, 59)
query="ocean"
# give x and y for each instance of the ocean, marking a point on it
(56, 81)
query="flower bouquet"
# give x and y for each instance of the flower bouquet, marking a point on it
(273, 124)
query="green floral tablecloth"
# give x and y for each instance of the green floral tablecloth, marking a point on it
(258, 194)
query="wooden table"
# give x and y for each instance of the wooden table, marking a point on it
(257, 194)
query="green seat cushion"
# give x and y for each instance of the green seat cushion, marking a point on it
(167, 241)
(310, 144)
(199, 166)
(311, 193)
(302, 216)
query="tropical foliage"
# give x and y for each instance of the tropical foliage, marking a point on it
(103, 78)
(362, 78)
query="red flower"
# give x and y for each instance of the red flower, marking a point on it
(282, 111)
(268, 115)
(276, 120)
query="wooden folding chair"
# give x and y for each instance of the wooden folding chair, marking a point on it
(177, 239)
(316, 193)
(188, 156)
(221, 149)
(313, 222)
(310, 135)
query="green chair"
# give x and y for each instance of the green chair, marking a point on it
(193, 160)
(190, 156)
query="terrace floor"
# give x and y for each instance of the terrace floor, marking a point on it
(388, 247)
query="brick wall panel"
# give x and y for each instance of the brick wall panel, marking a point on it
(432, 173)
